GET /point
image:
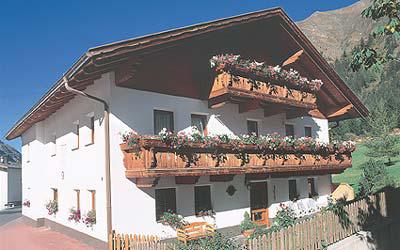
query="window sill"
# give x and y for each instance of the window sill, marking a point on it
(53, 155)
(74, 149)
(89, 144)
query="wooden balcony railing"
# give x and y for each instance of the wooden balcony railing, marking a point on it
(151, 158)
(242, 90)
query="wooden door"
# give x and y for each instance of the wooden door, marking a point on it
(259, 203)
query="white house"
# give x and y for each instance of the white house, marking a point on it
(72, 150)
(10, 185)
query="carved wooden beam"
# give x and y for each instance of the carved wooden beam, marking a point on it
(221, 178)
(186, 179)
(146, 182)
(249, 106)
(340, 111)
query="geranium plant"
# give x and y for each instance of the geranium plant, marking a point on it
(173, 220)
(52, 207)
(90, 218)
(75, 215)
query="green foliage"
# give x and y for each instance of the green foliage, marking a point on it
(247, 223)
(217, 242)
(173, 220)
(373, 178)
(379, 10)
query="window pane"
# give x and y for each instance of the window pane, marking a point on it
(292, 190)
(199, 121)
(202, 199)
(252, 127)
(289, 130)
(163, 119)
(307, 132)
(165, 201)
(311, 187)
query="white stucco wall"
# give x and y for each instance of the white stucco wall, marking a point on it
(133, 209)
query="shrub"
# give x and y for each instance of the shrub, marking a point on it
(285, 217)
(246, 223)
(90, 218)
(217, 242)
(52, 207)
(173, 220)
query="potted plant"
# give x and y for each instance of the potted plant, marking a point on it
(75, 215)
(52, 207)
(90, 218)
(247, 226)
(173, 220)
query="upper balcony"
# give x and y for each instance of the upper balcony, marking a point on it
(146, 158)
(254, 85)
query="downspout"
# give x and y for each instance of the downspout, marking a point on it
(106, 148)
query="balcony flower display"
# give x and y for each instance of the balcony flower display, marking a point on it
(237, 66)
(263, 144)
(75, 215)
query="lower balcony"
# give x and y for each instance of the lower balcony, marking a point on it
(150, 159)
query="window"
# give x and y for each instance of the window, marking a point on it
(163, 119)
(311, 188)
(202, 199)
(289, 128)
(55, 194)
(200, 121)
(93, 195)
(307, 132)
(78, 199)
(53, 144)
(252, 127)
(28, 149)
(165, 201)
(76, 132)
(293, 195)
(91, 127)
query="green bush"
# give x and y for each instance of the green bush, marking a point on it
(246, 223)
(373, 178)
(217, 242)
(173, 220)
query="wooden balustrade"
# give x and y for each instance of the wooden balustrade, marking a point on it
(237, 89)
(153, 159)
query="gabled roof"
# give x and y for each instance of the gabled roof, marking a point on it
(106, 58)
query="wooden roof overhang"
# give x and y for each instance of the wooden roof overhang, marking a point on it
(178, 52)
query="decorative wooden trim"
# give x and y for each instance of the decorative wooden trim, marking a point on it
(146, 182)
(186, 179)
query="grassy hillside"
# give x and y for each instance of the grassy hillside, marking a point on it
(352, 175)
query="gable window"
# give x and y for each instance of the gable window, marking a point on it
(293, 195)
(307, 131)
(252, 127)
(165, 201)
(91, 128)
(202, 199)
(163, 119)
(311, 188)
(200, 122)
(76, 134)
(289, 129)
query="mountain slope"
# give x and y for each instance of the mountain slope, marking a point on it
(337, 31)
(12, 155)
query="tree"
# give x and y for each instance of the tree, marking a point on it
(373, 178)
(388, 13)
(384, 147)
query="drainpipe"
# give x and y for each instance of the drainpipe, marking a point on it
(106, 148)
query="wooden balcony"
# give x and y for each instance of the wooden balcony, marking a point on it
(151, 159)
(252, 94)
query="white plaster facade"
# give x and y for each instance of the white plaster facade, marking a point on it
(10, 185)
(58, 164)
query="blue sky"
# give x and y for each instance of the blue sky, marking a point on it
(40, 40)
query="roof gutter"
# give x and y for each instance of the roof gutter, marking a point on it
(106, 147)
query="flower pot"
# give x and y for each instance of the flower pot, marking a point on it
(248, 233)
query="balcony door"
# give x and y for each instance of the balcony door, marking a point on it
(259, 202)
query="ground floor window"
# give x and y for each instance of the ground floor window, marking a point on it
(202, 199)
(165, 201)
(293, 195)
(311, 187)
